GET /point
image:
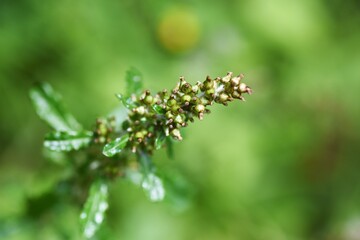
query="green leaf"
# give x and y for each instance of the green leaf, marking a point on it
(122, 99)
(160, 140)
(92, 214)
(146, 178)
(158, 109)
(50, 109)
(146, 165)
(115, 146)
(179, 191)
(67, 141)
(150, 183)
(61, 158)
(126, 101)
(133, 81)
(153, 187)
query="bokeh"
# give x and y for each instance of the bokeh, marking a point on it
(282, 165)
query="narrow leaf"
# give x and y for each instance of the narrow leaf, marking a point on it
(93, 212)
(158, 109)
(153, 187)
(179, 191)
(61, 158)
(146, 165)
(50, 109)
(160, 140)
(67, 141)
(115, 146)
(126, 101)
(121, 98)
(150, 183)
(133, 81)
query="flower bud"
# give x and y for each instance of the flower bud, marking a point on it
(140, 110)
(199, 108)
(163, 94)
(139, 135)
(235, 81)
(148, 100)
(171, 102)
(201, 115)
(243, 88)
(195, 100)
(209, 84)
(102, 139)
(236, 94)
(201, 86)
(169, 115)
(186, 88)
(195, 89)
(210, 91)
(186, 98)
(102, 129)
(223, 97)
(176, 134)
(227, 77)
(175, 108)
(178, 119)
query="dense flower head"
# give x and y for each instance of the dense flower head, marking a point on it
(151, 118)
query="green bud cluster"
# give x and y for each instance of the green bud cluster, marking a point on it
(152, 117)
(103, 130)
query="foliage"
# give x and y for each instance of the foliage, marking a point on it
(152, 121)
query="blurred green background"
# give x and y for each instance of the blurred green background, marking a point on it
(283, 165)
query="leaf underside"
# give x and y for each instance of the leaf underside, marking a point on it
(115, 146)
(93, 212)
(67, 141)
(48, 106)
(134, 82)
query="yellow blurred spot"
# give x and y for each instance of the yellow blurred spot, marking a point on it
(178, 30)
